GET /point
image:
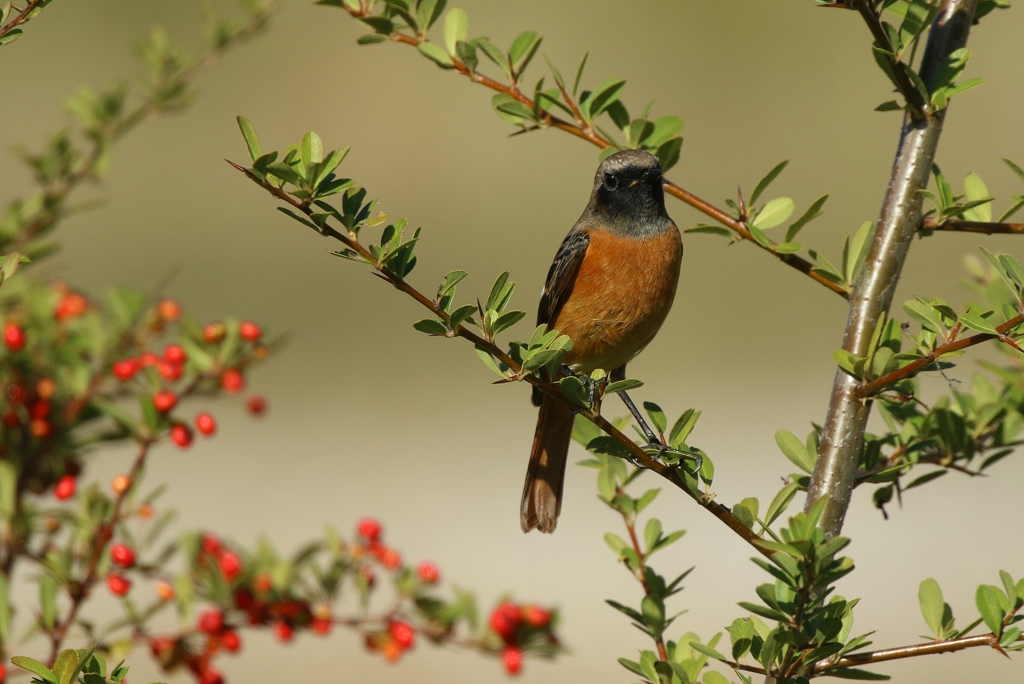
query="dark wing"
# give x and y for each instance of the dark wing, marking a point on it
(562, 275)
(560, 281)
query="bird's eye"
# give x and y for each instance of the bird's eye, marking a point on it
(610, 181)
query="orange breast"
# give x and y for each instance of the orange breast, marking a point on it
(622, 294)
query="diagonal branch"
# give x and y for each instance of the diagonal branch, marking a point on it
(836, 466)
(586, 132)
(963, 226)
(898, 69)
(637, 455)
(932, 647)
(913, 368)
(23, 17)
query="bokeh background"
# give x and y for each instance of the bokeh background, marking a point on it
(369, 417)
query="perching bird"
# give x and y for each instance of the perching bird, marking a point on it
(609, 289)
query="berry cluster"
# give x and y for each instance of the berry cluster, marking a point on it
(262, 590)
(67, 361)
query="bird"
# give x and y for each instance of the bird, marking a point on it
(609, 288)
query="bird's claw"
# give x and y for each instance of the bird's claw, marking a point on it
(670, 455)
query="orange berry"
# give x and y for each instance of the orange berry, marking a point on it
(169, 310)
(164, 591)
(121, 484)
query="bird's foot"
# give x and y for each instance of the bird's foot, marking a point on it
(672, 456)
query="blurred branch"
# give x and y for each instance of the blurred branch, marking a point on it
(168, 92)
(836, 466)
(637, 455)
(105, 531)
(585, 130)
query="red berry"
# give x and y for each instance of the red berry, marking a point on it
(40, 428)
(232, 381)
(11, 419)
(369, 529)
(210, 544)
(321, 626)
(428, 572)
(513, 659)
(126, 369)
(505, 618)
(390, 559)
(164, 400)
(70, 305)
(244, 599)
(14, 337)
(118, 584)
(283, 630)
(230, 565)
(210, 621)
(403, 633)
(263, 583)
(250, 331)
(3, 673)
(170, 371)
(213, 332)
(122, 555)
(148, 359)
(40, 409)
(205, 423)
(174, 353)
(181, 435)
(231, 641)
(65, 488)
(210, 675)
(169, 309)
(257, 404)
(536, 616)
(160, 645)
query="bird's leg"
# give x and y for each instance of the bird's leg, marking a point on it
(654, 442)
(591, 385)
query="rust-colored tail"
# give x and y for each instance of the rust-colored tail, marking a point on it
(542, 493)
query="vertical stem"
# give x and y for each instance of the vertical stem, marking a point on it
(871, 298)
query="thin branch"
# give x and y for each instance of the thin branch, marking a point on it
(930, 648)
(898, 69)
(836, 466)
(957, 225)
(915, 367)
(586, 132)
(80, 590)
(23, 16)
(641, 575)
(638, 456)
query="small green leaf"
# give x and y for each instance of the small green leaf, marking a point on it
(976, 190)
(929, 595)
(989, 605)
(657, 416)
(780, 503)
(430, 326)
(795, 450)
(763, 184)
(976, 322)
(436, 53)
(36, 668)
(456, 25)
(813, 212)
(889, 106)
(774, 213)
(252, 141)
(623, 385)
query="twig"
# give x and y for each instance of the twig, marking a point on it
(929, 648)
(80, 590)
(914, 367)
(637, 454)
(641, 575)
(22, 17)
(963, 226)
(836, 466)
(586, 132)
(899, 70)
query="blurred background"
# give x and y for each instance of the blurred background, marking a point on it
(369, 417)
